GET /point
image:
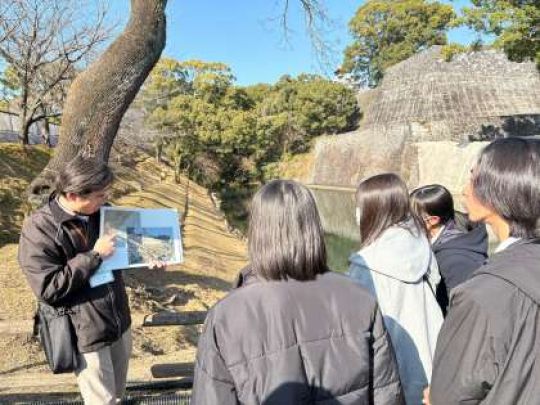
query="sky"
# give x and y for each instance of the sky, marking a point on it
(247, 35)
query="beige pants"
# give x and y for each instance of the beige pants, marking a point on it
(102, 374)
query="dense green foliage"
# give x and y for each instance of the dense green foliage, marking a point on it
(222, 134)
(514, 23)
(386, 32)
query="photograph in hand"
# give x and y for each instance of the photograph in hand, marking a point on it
(142, 237)
(116, 222)
(150, 244)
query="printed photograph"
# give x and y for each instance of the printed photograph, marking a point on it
(150, 244)
(117, 221)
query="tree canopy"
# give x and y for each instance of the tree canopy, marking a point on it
(386, 32)
(220, 133)
(514, 23)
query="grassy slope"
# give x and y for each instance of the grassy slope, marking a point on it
(212, 257)
(17, 169)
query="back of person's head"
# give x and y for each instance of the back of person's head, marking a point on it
(83, 176)
(433, 200)
(506, 178)
(383, 201)
(285, 234)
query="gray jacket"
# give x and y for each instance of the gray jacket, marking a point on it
(292, 342)
(400, 270)
(488, 350)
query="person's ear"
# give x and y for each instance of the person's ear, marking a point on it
(71, 197)
(434, 220)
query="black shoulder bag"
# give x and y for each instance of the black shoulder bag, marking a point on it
(57, 336)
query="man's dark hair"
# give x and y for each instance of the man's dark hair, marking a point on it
(83, 176)
(285, 233)
(506, 178)
(383, 201)
(433, 200)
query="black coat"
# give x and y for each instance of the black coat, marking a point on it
(55, 256)
(296, 342)
(458, 252)
(488, 350)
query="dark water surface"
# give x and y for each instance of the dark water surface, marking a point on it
(338, 249)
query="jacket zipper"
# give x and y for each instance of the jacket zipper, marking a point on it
(109, 288)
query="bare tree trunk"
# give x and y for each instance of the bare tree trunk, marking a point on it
(24, 122)
(45, 132)
(24, 128)
(159, 149)
(99, 97)
(177, 169)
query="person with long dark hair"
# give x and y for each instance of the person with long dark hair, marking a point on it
(293, 332)
(489, 347)
(396, 264)
(460, 245)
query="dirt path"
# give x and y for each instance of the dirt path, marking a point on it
(212, 258)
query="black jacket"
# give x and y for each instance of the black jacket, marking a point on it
(296, 342)
(458, 252)
(488, 350)
(55, 256)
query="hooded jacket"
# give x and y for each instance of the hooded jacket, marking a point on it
(489, 347)
(459, 252)
(56, 258)
(400, 270)
(296, 342)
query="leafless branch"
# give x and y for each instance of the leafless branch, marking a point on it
(8, 112)
(44, 116)
(43, 43)
(318, 24)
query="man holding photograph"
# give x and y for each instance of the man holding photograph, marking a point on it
(59, 250)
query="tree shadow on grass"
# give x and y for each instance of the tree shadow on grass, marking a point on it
(24, 367)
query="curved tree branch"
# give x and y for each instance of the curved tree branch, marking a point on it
(99, 97)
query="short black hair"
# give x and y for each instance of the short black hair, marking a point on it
(82, 176)
(506, 178)
(285, 235)
(433, 200)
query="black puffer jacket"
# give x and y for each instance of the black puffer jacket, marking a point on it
(458, 252)
(293, 342)
(55, 256)
(488, 351)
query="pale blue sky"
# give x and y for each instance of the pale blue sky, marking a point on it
(247, 36)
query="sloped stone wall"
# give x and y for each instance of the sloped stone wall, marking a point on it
(420, 122)
(478, 96)
(483, 84)
(343, 160)
(442, 162)
(447, 163)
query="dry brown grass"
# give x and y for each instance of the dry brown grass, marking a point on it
(17, 168)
